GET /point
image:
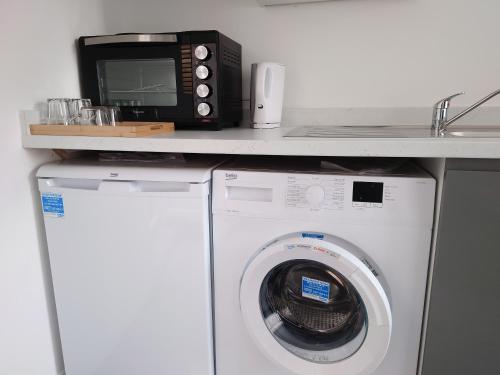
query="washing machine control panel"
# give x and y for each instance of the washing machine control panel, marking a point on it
(333, 197)
(316, 192)
(315, 195)
(330, 192)
(367, 194)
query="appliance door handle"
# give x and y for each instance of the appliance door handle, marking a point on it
(107, 186)
(116, 186)
(131, 38)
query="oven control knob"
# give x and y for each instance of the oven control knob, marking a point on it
(203, 90)
(204, 109)
(202, 53)
(202, 72)
(315, 195)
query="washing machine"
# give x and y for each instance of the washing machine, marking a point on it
(320, 270)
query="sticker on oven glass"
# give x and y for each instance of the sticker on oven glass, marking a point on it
(315, 289)
(52, 204)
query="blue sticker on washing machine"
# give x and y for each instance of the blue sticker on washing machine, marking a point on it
(319, 236)
(52, 204)
(315, 289)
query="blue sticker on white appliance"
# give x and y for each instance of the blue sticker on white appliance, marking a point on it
(319, 236)
(315, 289)
(52, 204)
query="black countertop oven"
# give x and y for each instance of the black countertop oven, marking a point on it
(192, 78)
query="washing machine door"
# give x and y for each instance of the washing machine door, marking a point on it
(313, 306)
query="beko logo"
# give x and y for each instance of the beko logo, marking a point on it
(113, 174)
(231, 176)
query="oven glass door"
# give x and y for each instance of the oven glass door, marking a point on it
(137, 82)
(144, 79)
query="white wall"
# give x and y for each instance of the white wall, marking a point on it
(347, 53)
(37, 61)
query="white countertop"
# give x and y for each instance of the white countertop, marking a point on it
(272, 142)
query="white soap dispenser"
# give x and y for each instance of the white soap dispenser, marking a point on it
(266, 94)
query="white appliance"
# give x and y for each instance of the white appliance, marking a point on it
(129, 250)
(266, 94)
(319, 273)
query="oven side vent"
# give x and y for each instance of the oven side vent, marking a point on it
(231, 57)
(186, 69)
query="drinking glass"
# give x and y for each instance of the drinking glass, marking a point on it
(94, 116)
(58, 111)
(115, 115)
(75, 106)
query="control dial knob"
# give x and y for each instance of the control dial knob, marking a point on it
(202, 72)
(315, 195)
(203, 90)
(204, 109)
(202, 53)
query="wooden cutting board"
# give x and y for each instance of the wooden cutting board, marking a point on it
(122, 129)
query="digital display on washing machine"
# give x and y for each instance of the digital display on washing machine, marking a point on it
(368, 192)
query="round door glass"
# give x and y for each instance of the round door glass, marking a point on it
(313, 311)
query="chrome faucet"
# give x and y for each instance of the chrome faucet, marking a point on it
(440, 120)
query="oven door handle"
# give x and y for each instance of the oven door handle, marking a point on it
(131, 38)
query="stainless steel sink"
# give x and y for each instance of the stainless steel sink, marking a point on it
(402, 131)
(360, 132)
(474, 133)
